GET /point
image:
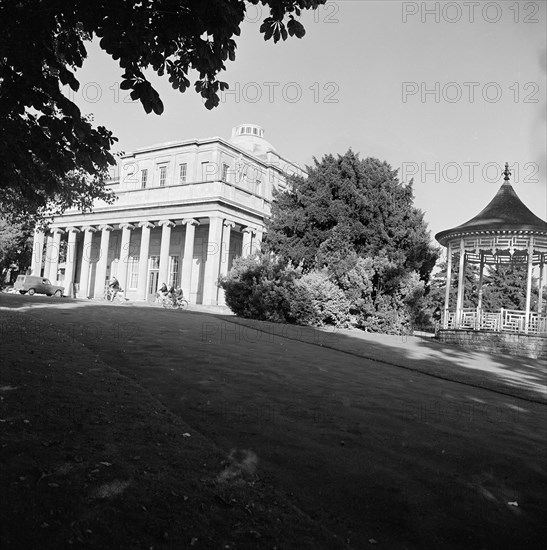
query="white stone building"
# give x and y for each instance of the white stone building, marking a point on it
(185, 210)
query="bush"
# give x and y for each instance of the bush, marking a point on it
(317, 301)
(260, 287)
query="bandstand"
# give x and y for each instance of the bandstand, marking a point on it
(504, 232)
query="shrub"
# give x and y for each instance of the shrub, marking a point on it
(317, 301)
(260, 287)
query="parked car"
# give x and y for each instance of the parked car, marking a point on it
(37, 285)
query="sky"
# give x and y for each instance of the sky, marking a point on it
(446, 92)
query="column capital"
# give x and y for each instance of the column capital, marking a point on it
(250, 230)
(229, 223)
(148, 225)
(57, 230)
(106, 227)
(168, 223)
(72, 229)
(189, 221)
(129, 226)
(89, 228)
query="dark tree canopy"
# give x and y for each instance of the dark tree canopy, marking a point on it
(43, 135)
(349, 205)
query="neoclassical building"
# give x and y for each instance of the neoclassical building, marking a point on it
(184, 211)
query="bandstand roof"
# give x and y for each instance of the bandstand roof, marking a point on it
(504, 213)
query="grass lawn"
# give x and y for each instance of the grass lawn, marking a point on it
(136, 427)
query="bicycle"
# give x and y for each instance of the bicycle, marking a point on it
(178, 303)
(114, 297)
(168, 303)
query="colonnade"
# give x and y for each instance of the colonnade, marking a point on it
(78, 253)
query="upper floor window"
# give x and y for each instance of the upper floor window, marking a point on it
(183, 168)
(204, 171)
(225, 172)
(163, 175)
(144, 178)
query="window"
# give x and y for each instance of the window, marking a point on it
(173, 271)
(204, 171)
(182, 173)
(225, 172)
(255, 131)
(133, 268)
(144, 178)
(163, 175)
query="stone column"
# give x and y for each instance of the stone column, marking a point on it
(49, 248)
(529, 283)
(55, 251)
(70, 261)
(248, 233)
(186, 275)
(100, 276)
(225, 256)
(461, 284)
(124, 255)
(212, 264)
(257, 240)
(37, 252)
(164, 250)
(86, 262)
(143, 259)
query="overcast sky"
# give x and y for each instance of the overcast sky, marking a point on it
(446, 94)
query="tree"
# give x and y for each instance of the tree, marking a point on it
(345, 206)
(505, 286)
(44, 137)
(15, 248)
(354, 218)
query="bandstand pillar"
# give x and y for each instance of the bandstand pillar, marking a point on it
(448, 283)
(481, 276)
(461, 284)
(529, 283)
(541, 284)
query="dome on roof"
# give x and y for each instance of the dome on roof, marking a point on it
(250, 137)
(505, 212)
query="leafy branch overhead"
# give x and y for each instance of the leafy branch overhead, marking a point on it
(44, 135)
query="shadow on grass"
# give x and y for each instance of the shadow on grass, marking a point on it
(519, 376)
